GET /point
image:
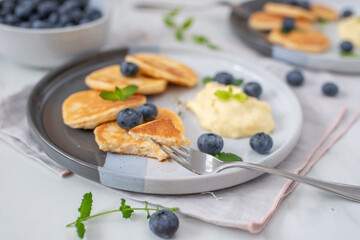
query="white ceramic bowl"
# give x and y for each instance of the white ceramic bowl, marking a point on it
(48, 48)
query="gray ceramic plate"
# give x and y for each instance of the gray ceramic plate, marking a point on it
(77, 150)
(329, 60)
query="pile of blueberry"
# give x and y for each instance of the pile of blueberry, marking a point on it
(131, 117)
(40, 14)
(302, 4)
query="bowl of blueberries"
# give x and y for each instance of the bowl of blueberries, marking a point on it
(48, 33)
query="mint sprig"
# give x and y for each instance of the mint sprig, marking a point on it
(119, 94)
(126, 210)
(348, 54)
(207, 80)
(227, 95)
(228, 157)
(237, 82)
(202, 40)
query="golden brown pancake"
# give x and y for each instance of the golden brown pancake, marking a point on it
(302, 40)
(86, 109)
(162, 131)
(106, 79)
(264, 21)
(164, 68)
(286, 10)
(323, 12)
(111, 138)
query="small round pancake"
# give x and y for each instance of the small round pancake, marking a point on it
(302, 40)
(106, 79)
(264, 21)
(286, 10)
(157, 66)
(324, 13)
(86, 109)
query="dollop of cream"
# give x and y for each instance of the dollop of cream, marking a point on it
(231, 118)
(349, 29)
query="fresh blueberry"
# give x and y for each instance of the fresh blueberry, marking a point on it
(93, 14)
(129, 69)
(85, 20)
(39, 24)
(6, 7)
(53, 19)
(330, 89)
(69, 24)
(291, 2)
(70, 5)
(11, 19)
(24, 10)
(253, 89)
(76, 15)
(25, 25)
(34, 17)
(44, 9)
(347, 13)
(64, 19)
(210, 143)
(304, 4)
(288, 24)
(295, 78)
(261, 143)
(224, 78)
(2, 20)
(149, 111)
(346, 46)
(129, 118)
(164, 223)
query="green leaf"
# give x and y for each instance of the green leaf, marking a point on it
(213, 47)
(169, 22)
(80, 228)
(111, 96)
(324, 21)
(199, 39)
(147, 210)
(174, 12)
(173, 209)
(228, 157)
(207, 80)
(85, 207)
(223, 95)
(348, 54)
(238, 82)
(285, 31)
(129, 91)
(179, 34)
(187, 23)
(125, 209)
(241, 97)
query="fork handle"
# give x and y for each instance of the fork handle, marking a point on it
(350, 192)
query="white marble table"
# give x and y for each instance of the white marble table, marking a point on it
(36, 204)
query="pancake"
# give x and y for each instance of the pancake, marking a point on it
(162, 131)
(106, 79)
(86, 109)
(286, 10)
(302, 40)
(157, 66)
(111, 138)
(264, 21)
(323, 12)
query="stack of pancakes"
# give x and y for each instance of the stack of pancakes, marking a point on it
(87, 110)
(303, 37)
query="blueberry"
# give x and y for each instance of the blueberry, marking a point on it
(347, 13)
(53, 19)
(34, 17)
(85, 20)
(2, 20)
(24, 9)
(64, 19)
(261, 143)
(210, 143)
(288, 24)
(330, 89)
(70, 5)
(149, 111)
(253, 89)
(346, 46)
(25, 25)
(295, 78)
(291, 2)
(93, 14)
(76, 15)
(224, 78)
(69, 24)
(164, 223)
(129, 69)
(44, 9)
(304, 4)
(11, 19)
(39, 24)
(129, 118)
(6, 7)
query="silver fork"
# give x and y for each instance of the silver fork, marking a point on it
(202, 163)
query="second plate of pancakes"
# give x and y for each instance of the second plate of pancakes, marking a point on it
(77, 150)
(330, 59)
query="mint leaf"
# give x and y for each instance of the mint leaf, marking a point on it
(174, 12)
(200, 39)
(228, 157)
(223, 95)
(207, 80)
(169, 22)
(348, 54)
(213, 47)
(129, 91)
(85, 207)
(179, 34)
(80, 228)
(119, 94)
(285, 31)
(241, 97)
(125, 209)
(111, 96)
(238, 82)
(187, 23)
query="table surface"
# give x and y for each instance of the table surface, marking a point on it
(37, 204)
